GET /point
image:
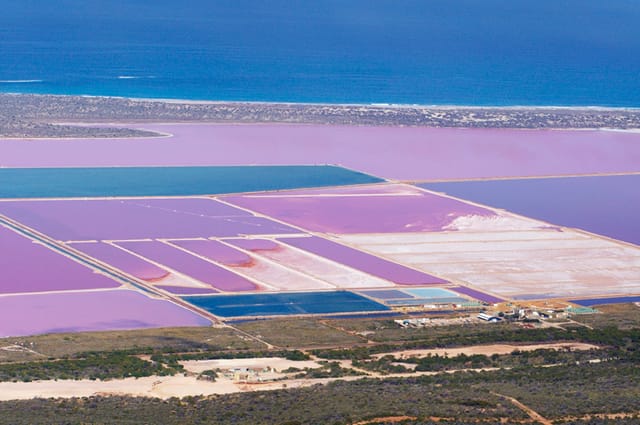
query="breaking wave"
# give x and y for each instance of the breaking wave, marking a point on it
(19, 81)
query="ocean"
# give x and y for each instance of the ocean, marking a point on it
(490, 52)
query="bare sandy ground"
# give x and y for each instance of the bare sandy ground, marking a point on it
(158, 387)
(489, 350)
(164, 386)
(276, 363)
(181, 386)
(153, 386)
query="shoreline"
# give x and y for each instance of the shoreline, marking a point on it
(380, 105)
(35, 116)
(336, 104)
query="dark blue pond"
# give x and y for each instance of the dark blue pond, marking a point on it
(601, 301)
(285, 304)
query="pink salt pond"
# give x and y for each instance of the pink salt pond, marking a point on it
(28, 266)
(84, 220)
(321, 268)
(22, 315)
(272, 276)
(409, 153)
(255, 245)
(190, 265)
(215, 251)
(362, 261)
(381, 209)
(123, 260)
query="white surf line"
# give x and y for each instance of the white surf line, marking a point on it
(377, 105)
(20, 81)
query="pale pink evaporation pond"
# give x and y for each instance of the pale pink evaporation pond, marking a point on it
(319, 267)
(270, 275)
(27, 266)
(34, 314)
(402, 153)
(122, 260)
(255, 245)
(215, 251)
(187, 290)
(121, 219)
(190, 265)
(387, 211)
(362, 261)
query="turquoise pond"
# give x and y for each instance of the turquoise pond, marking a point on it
(169, 181)
(430, 293)
(415, 296)
(427, 301)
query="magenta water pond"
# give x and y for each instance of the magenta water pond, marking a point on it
(93, 219)
(27, 266)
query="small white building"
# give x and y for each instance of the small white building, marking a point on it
(489, 318)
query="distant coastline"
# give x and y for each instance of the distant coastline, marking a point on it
(302, 103)
(35, 115)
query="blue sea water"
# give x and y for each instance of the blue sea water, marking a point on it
(489, 52)
(169, 181)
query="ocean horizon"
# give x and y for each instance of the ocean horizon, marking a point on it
(461, 52)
